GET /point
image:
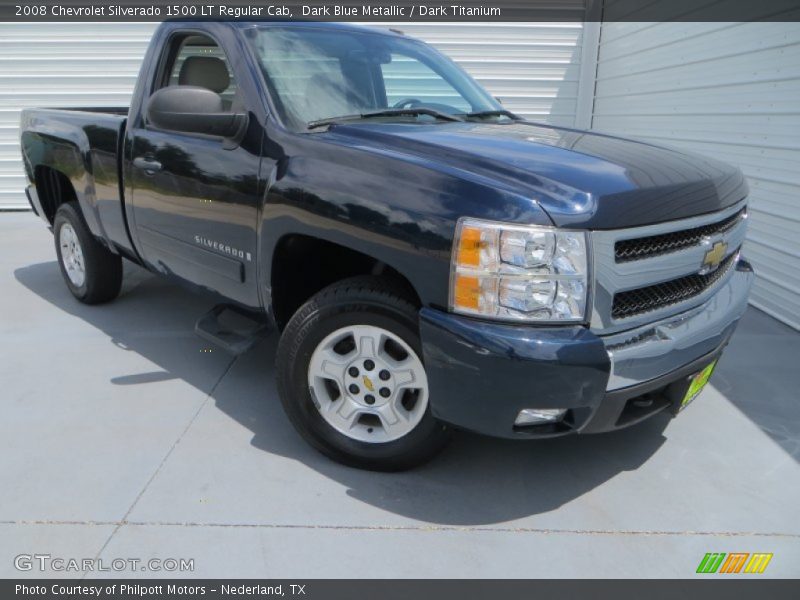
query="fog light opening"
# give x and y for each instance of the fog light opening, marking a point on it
(538, 416)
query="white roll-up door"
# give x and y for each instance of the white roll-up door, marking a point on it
(532, 68)
(730, 91)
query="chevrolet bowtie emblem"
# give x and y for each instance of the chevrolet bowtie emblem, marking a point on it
(714, 256)
(368, 384)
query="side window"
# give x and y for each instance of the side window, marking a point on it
(405, 77)
(199, 61)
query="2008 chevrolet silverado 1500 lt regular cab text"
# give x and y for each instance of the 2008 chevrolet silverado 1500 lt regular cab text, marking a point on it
(432, 260)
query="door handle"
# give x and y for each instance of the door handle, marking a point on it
(147, 164)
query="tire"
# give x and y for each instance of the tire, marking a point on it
(91, 271)
(395, 430)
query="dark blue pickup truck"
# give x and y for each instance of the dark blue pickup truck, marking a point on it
(432, 260)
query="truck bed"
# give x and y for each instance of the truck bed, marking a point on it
(84, 144)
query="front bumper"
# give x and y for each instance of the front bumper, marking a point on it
(482, 374)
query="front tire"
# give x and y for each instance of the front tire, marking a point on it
(351, 378)
(91, 271)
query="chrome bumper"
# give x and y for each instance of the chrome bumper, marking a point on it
(650, 351)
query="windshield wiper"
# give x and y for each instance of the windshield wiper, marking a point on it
(412, 112)
(388, 112)
(493, 113)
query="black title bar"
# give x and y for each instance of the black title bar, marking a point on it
(402, 10)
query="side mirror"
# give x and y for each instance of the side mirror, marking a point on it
(192, 109)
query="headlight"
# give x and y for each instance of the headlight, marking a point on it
(518, 272)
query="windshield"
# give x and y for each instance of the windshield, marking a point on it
(319, 74)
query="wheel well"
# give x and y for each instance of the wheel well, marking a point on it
(53, 189)
(303, 265)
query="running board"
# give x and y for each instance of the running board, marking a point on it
(231, 328)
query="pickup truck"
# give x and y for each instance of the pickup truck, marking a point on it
(432, 260)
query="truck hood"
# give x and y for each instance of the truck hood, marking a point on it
(580, 179)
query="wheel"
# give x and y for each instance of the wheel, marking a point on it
(351, 378)
(92, 272)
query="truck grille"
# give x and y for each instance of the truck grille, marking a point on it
(655, 245)
(653, 297)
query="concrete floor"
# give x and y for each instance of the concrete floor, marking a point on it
(125, 436)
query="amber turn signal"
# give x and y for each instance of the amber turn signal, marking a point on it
(469, 247)
(467, 292)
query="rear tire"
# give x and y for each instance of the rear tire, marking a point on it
(91, 271)
(372, 410)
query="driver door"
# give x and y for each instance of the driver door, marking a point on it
(195, 196)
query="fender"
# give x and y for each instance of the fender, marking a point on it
(396, 209)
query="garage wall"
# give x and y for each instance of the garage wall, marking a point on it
(728, 90)
(532, 68)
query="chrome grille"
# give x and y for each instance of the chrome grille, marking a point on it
(656, 245)
(631, 293)
(646, 299)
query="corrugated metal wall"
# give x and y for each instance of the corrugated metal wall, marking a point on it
(728, 90)
(532, 68)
